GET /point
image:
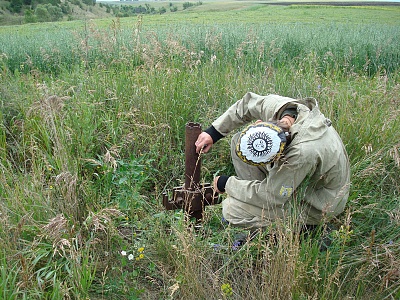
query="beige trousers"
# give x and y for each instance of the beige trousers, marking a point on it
(235, 211)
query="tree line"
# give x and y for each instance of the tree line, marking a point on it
(45, 10)
(55, 10)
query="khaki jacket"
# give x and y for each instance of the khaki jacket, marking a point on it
(313, 178)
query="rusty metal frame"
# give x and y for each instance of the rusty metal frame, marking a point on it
(194, 195)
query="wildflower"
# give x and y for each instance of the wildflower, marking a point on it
(130, 256)
(141, 256)
(141, 249)
(123, 253)
(344, 233)
(227, 289)
(236, 245)
(216, 247)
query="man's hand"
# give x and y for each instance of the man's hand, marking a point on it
(204, 142)
(215, 185)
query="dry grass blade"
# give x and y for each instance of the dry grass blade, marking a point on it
(394, 153)
(56, 228)
(102, 220)
(49, 106)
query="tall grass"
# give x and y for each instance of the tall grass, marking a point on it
(346, 47)
(93, 133)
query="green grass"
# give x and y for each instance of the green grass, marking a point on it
(349, 47)
(92, 134)
(265, 14)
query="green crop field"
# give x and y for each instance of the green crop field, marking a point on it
(93, 116)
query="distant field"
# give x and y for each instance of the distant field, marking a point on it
(258, 12)
(299, 28)
(299, 12)
(336, 3)
(222, 12)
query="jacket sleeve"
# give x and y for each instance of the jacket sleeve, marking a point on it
(277, 188)
(251, 107)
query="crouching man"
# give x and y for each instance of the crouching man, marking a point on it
(289, 147)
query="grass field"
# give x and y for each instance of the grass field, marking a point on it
(92, 134)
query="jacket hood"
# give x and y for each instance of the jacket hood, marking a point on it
(310, 124)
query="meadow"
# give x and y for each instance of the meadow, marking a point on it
(93, 118)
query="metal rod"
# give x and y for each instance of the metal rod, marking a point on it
(192, 161)
(193, 196)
